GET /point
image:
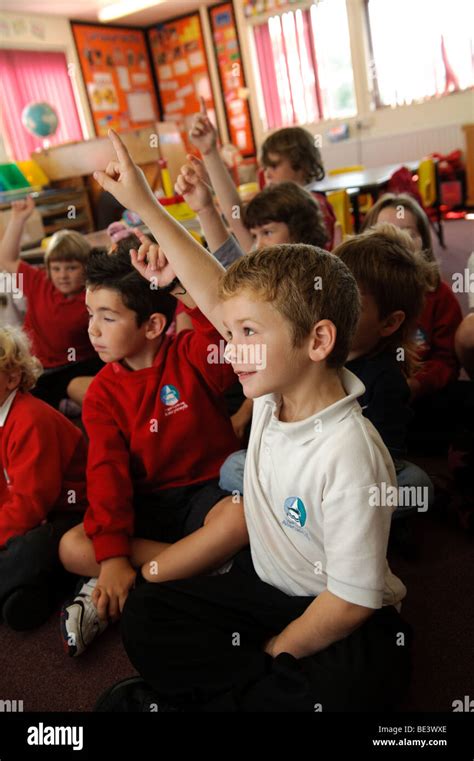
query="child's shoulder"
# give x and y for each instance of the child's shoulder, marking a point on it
(36, 414)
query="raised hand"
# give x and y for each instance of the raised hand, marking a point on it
(202, 132)
(125, 180)
(150, 261)
(21, 210)
(197, 193)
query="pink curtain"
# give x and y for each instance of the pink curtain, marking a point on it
(29, 77)
(263, 45)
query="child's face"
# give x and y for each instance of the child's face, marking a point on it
(371, 328)
(8, 382)
(278, 169)
(270, 234)
(404, 219)
(113, 329)
(260, 346)
(68, 277)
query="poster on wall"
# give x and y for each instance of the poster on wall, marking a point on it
(180, 62)
(231, 74)
(117, 75)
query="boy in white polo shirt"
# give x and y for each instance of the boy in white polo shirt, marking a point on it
(308, 621)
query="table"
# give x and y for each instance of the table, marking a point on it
(355, 183)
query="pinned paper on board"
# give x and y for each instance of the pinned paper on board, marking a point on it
(141, 107)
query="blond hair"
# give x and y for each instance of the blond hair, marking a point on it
(15, 354)
(67, 246)
(305, 285)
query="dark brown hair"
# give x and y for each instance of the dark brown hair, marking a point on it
(297, 145)
(115, 270)
(289, 203)
(305, 284)
(384, 262)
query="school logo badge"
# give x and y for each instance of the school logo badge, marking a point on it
(295, 512)
(169, 395)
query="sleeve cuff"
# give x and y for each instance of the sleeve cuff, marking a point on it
(111, 546)
(368, 598)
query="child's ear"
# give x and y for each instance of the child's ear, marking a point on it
(392, 323)
(155, 326)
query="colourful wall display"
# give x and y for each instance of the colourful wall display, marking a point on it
(232, 79)
(118, 76)
(180, 62)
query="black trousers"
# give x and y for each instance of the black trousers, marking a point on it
(52, 385)
(32, 558)
(198, 644)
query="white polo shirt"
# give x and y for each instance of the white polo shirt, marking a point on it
(308, 496)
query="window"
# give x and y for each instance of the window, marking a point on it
(30, 77)
(420, 49)
(305, 65)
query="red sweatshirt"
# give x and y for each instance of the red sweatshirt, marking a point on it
(42, 466)
(329, 218)
(154, 429)
(55, 323)
(437, 326)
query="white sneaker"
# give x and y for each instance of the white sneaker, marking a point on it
(80, 622)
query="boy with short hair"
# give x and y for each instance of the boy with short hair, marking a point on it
(158, 433)
(314, 620)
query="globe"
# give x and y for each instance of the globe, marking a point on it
(40, 119)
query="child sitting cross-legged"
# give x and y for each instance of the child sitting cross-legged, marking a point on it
(158, 433)
(309, 617)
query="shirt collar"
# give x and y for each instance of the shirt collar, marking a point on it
(5, 408)
(319, 424)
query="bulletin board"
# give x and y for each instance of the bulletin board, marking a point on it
(118, 76)
(231, 74)
(179, 57)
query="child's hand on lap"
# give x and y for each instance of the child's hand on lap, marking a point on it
(202, 133)
(21, 210)
(189, 184)
(115, 580)
(151, 262)
(125, 180)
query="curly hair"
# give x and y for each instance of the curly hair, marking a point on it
(15, 354)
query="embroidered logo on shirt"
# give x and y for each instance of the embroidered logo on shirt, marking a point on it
(295, 512)
(170, 396)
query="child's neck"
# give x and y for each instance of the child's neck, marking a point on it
(145, 357)
(317, 391)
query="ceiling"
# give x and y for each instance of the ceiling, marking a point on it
(86, 10)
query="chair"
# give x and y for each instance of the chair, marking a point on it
(365, 200)
(339, 201)
(428, 186)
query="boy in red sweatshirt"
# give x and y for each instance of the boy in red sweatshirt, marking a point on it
(42, 486)
(159, 432)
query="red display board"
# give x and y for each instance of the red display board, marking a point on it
(180, 62)
(118, 76)
(231, 74)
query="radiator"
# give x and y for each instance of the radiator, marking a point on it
(392, 149)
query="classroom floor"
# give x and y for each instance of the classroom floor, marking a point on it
(34, 669)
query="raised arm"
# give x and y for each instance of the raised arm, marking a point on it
(198, 196)
(197, 269)
(204, 137)
(10, 244)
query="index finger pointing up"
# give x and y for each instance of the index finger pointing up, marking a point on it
(203, 108)
(120, 148)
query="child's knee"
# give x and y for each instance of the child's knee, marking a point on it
(71, 547)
